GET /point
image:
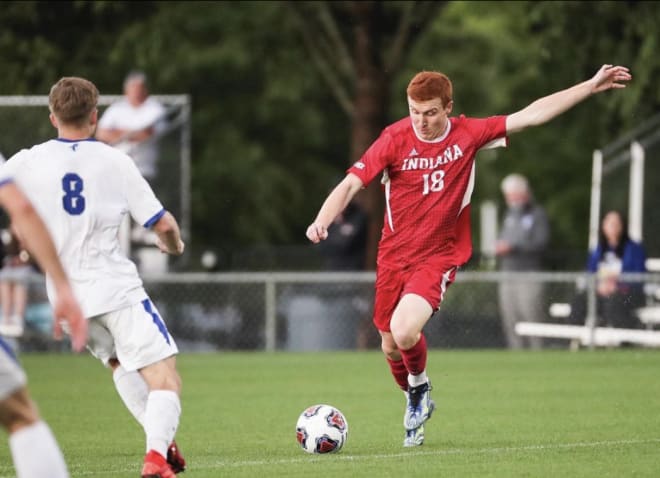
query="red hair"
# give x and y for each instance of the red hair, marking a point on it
(429, 85)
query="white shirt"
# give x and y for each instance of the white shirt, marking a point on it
(123, 115)
(83, 190)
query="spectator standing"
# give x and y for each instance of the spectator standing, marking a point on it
(134, 123)
(520, 247)
(345, 248)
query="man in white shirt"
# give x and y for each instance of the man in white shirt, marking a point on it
(83, 188)
(134, 124)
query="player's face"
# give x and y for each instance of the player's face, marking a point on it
(429, 117)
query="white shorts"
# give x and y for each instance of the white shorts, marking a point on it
(12, 376)
(136, 336)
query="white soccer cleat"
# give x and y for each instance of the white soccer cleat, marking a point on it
(414, 437)
(419, 406)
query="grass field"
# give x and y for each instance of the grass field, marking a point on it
(500, 414)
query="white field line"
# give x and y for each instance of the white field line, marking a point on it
(449, 451)
(383, 456)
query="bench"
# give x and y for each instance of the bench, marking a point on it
(649, 315)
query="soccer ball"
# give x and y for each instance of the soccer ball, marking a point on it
(321, 429)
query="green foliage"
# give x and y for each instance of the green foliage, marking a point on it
(503, 55)
(269, 137)
(263, 135)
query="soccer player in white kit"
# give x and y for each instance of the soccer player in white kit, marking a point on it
(83, 188)
(34, 449)
(427, 166)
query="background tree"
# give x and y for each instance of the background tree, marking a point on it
(270, 103)
(359, 48)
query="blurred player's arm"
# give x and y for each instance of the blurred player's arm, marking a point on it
(36, 238)
(334, 204)
(546, 108)
(169, 235)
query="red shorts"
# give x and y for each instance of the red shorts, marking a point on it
(429, 282)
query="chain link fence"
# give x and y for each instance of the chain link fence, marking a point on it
(321, 311)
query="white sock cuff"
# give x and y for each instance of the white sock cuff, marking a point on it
(416, 380)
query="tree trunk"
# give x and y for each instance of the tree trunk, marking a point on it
(370, 112)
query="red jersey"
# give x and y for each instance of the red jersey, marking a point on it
(428, 186)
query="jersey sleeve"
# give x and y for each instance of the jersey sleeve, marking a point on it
(144, 206)
(488, 133)
(5, 175)
(374, 160)
(9, 168)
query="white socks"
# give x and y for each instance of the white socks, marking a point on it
(417, 380)
(133, 391)
(161, 419)
(158, 411)
(36, 453)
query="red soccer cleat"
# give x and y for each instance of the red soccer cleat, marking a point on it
(155, 466)
(175, 458)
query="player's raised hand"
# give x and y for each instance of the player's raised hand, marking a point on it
(610, 77)
(317, 232)
(68, 311)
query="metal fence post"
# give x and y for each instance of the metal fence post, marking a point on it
(270, 324)
(592, 314)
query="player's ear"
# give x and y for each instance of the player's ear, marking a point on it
(53, 120)
(449, 107)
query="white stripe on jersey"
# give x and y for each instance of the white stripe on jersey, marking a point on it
(496, 143)
(386, 182)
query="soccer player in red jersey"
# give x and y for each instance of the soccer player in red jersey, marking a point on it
(427, 165)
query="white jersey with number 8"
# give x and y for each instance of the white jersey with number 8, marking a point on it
(82, 190)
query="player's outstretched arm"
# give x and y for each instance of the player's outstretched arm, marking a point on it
(169, 235)
(38, 242)
(334, 204)
(546, 108)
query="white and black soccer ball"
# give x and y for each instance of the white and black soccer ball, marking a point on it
(321, 429)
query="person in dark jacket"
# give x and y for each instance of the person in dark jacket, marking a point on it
(522, 242)
(615, 254)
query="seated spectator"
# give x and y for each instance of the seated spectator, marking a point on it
(615, 254)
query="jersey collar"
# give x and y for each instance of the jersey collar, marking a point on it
(440, 138)
(66, 140)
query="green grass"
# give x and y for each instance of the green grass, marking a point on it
(500, 414)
